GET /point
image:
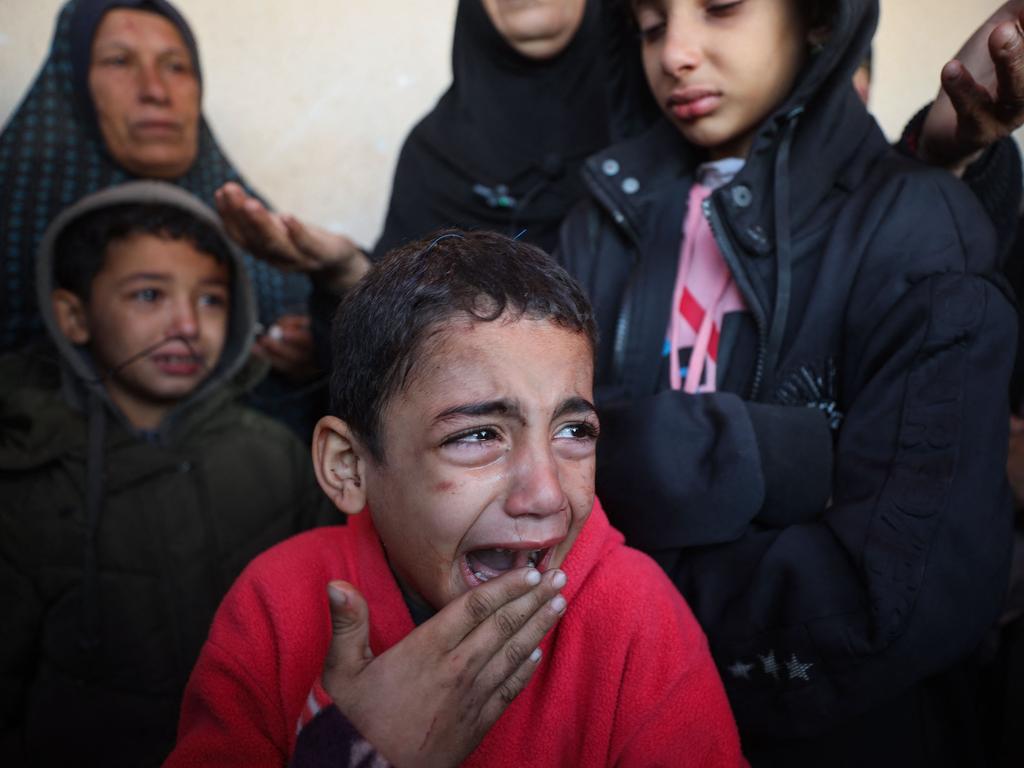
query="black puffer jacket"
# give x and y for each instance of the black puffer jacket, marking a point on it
(116, 550)
(837, 513)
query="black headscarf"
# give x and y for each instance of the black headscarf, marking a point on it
(52, 154)
(503, 147)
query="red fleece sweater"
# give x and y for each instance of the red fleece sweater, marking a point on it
(626, 678)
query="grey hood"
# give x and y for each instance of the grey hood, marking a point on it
(80, 377)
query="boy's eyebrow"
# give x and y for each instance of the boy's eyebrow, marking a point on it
(510, 409)
(574, 405)
(162, 277)
(482, 408)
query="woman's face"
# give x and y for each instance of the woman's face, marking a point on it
(143, 84)
(538, 29)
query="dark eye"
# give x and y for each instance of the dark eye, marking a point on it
(652, 33)
(146, 295)
(478, 435)
(578, 431)
(475, 447)
(179, 67)
(114, 60)
(212, 300)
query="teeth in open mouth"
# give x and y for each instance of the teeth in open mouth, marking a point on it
(532, 556)
(486, 564)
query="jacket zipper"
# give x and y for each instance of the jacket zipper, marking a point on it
(733, 262)
(623, 323)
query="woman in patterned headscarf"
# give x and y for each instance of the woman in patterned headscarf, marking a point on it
(83, 126)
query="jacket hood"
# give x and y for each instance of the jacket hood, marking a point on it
(80, 377)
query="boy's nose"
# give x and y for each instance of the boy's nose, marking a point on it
(185, 320)
(536, 485)
(682, 49)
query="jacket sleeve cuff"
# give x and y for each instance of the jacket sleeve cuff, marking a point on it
(995, 178)
(330, 740)
(795, 448)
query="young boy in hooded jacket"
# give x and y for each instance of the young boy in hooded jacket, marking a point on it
(801, 381)
(135, 487)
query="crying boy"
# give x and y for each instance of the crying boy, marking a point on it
(462, 443)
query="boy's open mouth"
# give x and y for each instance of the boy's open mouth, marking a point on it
(179, 365)
(486, 564)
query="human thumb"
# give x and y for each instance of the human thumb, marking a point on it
(349, 651)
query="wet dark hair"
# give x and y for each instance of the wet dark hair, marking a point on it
(381, 327)
(81, 247)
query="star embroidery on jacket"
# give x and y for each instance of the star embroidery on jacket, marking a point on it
(798, 669)
(740, 670)
(770, 665)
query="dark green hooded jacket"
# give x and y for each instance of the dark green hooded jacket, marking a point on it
(116, 547)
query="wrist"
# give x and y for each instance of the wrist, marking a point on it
(345, 269)
(956, 163)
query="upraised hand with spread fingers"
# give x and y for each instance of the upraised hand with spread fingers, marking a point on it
(289, 243)
(982, 94)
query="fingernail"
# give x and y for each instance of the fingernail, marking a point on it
(275, 332)
(336, 596)
(559, 580)
(533, 577)
(535, 656)
(558, 603)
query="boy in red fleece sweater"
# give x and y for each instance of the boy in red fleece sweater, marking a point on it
(464, 433)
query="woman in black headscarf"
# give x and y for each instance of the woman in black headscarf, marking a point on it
(58, 146)
(503, 147)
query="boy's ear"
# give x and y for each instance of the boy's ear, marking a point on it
(339, 464)
(69, 310)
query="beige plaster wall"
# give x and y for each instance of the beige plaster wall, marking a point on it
(312, 98)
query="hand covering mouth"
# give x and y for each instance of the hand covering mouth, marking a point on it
(486, 564)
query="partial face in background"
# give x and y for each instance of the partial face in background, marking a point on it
(160, 304)
(488, 456)
(718, 68)
(146, 93)
(538, 29)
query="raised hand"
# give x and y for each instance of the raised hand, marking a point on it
(982, 94)
(287, 242)
(430, 699)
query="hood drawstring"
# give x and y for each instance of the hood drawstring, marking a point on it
(783, 243)
(89, 631)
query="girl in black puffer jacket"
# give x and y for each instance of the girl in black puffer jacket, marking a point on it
(813, 447)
